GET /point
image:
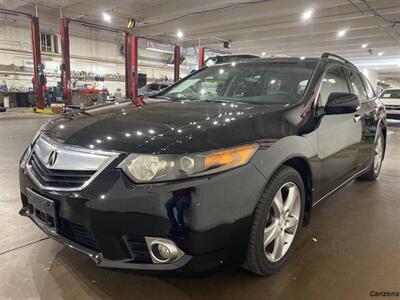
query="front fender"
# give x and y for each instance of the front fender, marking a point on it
(268, 160)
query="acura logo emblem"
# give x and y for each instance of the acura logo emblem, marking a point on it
(52, 158)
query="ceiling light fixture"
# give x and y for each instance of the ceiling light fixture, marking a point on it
(106, 17)
(179, 34)
(364, 46)
(302, 57)
(380, 53)
(342, 32)
(263, 54)
(307, 14)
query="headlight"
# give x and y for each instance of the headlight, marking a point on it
(35, 137)
(24, 158)
(164, 167)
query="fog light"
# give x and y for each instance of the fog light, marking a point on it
(162, 250)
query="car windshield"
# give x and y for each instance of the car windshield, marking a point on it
(268, 82)
(392, 94)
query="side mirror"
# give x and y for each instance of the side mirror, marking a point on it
(342, 103)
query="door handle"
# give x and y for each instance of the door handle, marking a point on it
(357, 118)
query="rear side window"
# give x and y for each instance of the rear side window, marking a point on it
(357, 86)
(368, 86)
(333, 82)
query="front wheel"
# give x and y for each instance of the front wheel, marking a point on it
(379, 151)
(277, 218)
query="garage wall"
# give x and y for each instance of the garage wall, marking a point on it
(90, 54)
(371, 75)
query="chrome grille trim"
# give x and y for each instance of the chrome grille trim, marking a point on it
(69, 158)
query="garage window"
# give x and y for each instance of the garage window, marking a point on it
(48, 43)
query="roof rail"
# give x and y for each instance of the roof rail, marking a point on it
(327, 55)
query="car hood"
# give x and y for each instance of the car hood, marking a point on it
(169, 126)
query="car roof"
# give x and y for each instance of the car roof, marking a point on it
(290, 59)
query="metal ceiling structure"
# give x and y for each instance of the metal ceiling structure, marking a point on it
(273, 27)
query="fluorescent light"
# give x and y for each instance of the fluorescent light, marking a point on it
(159, 50)
(179, 34)
(263, 54)
(364, 46)
(342, 32)
(302, 57)
(307, 14)
(381, 53)
(106, 17)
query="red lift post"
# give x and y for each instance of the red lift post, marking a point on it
(131, 58)
(38, 85)
(201, 57)
(177, 60)
(130, 42)
(133, 66)
(65, 61)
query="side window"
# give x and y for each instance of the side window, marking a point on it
(368, 86)
(357, 85)
(333, 82)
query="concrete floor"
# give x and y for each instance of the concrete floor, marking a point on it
(357, 246)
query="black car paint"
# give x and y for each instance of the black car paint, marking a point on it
(220, 215)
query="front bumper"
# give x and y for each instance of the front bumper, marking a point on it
(393, 112)
(110, 218)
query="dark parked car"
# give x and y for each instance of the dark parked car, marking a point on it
(220, 59)
(152, 89)
(221, 169)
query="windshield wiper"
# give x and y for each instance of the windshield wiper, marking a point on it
(224, 101)
(163, 97)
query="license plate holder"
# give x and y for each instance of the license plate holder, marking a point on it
(42, 209)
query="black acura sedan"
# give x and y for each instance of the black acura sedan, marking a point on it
(221, 169)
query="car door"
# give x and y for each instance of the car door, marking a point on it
(339, 136)
(367, 115)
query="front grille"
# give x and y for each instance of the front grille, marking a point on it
(138, 248)
(58, 178)
(392, 107)
(77, 233)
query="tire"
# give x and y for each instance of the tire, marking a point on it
(374, 170)
(264, 260)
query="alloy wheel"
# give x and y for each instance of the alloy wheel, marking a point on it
(378, 154)
(282, 221)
